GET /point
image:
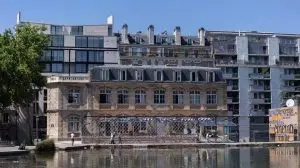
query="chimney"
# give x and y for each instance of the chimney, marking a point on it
(124, 37)
(201, 35)
(151, 34)
(19, 17)
(110, 20)
(177, 34)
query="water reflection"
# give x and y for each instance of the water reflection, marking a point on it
(162, 158)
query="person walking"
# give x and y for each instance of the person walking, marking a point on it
(72, 138)
(112, 138)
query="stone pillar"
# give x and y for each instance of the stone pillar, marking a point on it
(151, 34)
(187, 99)
(177, 34)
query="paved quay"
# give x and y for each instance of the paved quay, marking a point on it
(78, 146)
(13, 150)
(67, 146)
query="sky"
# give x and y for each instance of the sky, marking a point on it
(280, 16)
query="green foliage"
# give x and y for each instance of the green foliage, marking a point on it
(45, 146)
(20, 72)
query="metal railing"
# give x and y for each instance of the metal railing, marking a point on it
(156, 129)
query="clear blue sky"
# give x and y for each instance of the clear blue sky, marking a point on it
(260, 15)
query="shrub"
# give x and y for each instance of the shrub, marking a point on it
(45, 146)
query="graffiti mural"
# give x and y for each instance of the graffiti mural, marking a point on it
(283, 124)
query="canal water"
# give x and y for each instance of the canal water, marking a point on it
(279, 157)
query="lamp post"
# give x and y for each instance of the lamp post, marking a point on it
(36, 118)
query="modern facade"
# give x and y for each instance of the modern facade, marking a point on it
(132, 91)
(73, 51)
(260, 69)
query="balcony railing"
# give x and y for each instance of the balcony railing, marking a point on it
(258, 63)
(260, 101)
(226, 62)
(259, 75)
(288, 64)
(232, 100)
(230, 75)
(257, 112)
(287, 76)
(78, 79)
(232, 87)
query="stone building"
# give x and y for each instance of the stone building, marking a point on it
(74, 103)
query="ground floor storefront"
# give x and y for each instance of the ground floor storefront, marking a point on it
(99, 129)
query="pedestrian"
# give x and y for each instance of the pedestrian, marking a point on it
(72, 138)
(120, 140)
(112, 138)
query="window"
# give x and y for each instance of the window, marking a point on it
(123, 75)
(178, 97)
(123, 97)
(45, 94)
(56, 30)
(140, 97)
(139, 75)
(159, 75)
(195, 97)
(45, 107)
(57, 67)
(169, 52)
(80, 68)
(57, 41)
(104, 75)
(196, 53)
(211, 97)
(144, 51)
(159, 96)
(134, 51)
(211, 76)
(186, 53)
(95, 42)
(96, 56)
(110, 31)
(160, 52)
(77, 30)
(46, 55)
(81, 56)
(105, 96)
(73, 123)
(80, 41)
(74, 95)
(91, 66)
(193, 77)
(5, 118)
(177, 76)
(57, 55)
(46, 67)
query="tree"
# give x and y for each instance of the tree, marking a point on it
(20, 73)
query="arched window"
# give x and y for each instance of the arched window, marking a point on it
(195, 97)
(73, 123)
(159, 96)
(140, 97)
(123, 96)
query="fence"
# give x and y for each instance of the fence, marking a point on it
(97, 129)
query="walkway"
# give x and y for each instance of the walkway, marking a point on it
(5, 151)
(78, 146)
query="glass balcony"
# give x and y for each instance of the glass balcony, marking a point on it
(259, 76)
